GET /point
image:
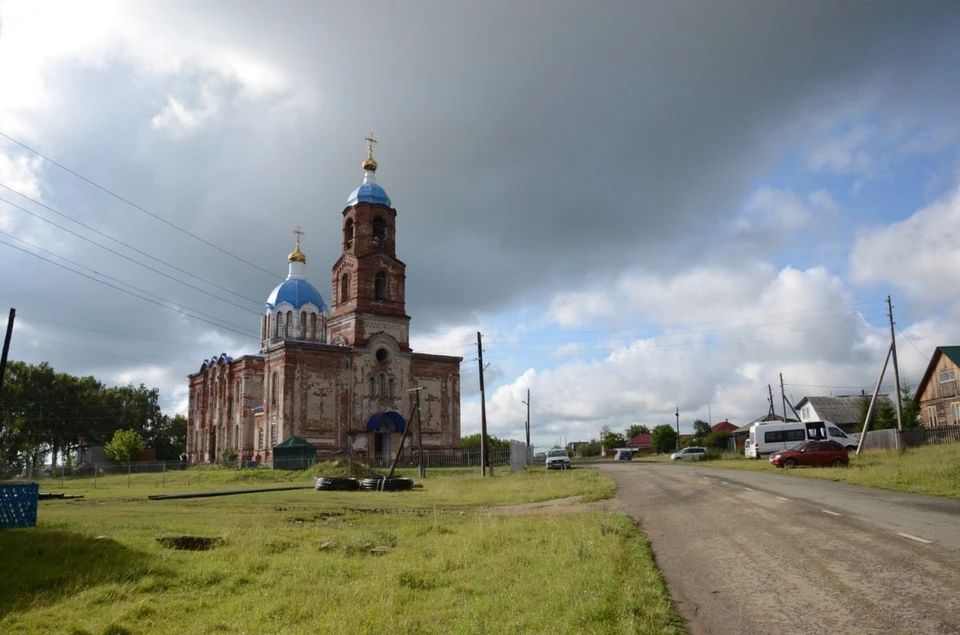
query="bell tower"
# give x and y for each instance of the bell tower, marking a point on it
(368, 279)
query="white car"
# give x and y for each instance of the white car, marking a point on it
(689, 454)
(558, 459)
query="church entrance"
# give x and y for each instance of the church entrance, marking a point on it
(383, 426)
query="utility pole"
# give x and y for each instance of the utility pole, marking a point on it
(527, 403)
(896, 375)
(783, 396)
(790, 401)
(6, 347)
(678, 428)
(483, 410)
(423, 468)
(773, 411)
(873, 400)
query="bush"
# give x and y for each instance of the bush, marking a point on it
(712, 454)
(229, 458)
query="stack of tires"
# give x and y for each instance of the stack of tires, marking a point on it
(340, 484)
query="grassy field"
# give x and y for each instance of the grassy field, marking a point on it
(435, 560)
(930, 469)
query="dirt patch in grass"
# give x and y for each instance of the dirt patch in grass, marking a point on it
(190, 543)
(569, 505)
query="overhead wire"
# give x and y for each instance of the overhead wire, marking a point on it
(124, 256)
(134, 205)
(234, 328)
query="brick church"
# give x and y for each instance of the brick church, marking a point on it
(334, 375)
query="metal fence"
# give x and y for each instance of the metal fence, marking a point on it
(912, 437)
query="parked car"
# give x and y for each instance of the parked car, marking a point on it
(767, 438)
(558, 459)
(623, 455)
(689, 454)
(812, 453)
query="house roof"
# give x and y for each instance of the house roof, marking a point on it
(952, 353)
(644, 440)
(294, 442)
(723, 426)
(767, 418)
(839, 410)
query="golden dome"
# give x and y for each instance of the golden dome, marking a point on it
(297, 255)
(370, 164)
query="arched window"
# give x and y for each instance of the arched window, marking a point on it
(345, 287)
(313, 326)
(259, 437)
(302, 327)
(238, 391)
(277, 326)
(274, 387)
(373, 388)
(383, 385)
(236, 437)
(379, 231)
(380, 286)
(264, 327)
(348, 233)
(288, 332)
(390, 387)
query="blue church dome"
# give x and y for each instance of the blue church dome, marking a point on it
(369, 192)
(296, 292)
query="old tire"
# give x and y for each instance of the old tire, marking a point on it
(341, 484)
(384, 484)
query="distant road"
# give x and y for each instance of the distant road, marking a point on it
(748, 553)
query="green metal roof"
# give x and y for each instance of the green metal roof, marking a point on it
(295, 442)
(952, 353)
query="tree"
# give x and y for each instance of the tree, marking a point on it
(125, 446)
(589, 449)
(717, 440)
(472, 442)
(664, 438)
(910, 414)
(170, 438)
(636, 430)
(612, 439)
(700, 430)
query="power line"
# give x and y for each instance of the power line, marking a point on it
(911, 343)
(135, 206)
(91, 350)
(125, 257)
(118, 241)
(113, 333)
(170, 308)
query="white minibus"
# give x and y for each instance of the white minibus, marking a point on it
(776, 436)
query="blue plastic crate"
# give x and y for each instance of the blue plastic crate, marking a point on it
(18, 505)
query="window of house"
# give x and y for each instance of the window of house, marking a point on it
(955, 411)
(379, 231)
(348, 233)
(948, 375)
(932, 416)
(345, 287)
(380, 286)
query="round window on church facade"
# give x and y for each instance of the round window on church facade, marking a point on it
(383, 355)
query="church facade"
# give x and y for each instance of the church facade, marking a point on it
(340, 375)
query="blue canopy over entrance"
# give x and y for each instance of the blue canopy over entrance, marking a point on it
(386, 422)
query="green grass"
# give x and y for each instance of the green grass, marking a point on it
(933, 469)
(300, 562)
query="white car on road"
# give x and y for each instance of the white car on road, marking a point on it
(688, 454)
(558, 459)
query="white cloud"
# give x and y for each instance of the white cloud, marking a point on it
(21, 173)
(918, 255)
(846, 154)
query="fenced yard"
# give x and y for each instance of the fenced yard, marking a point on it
(912, 437)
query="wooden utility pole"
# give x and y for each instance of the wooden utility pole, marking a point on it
(873, 400)
(783, 396)
(483, 410)
(773, 411)
(423, 468)
(678, 428)
(526, 459)
(896, 375)
(6, 347)
(414, 411)
(792, 409)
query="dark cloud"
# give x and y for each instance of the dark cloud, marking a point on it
(528, 147)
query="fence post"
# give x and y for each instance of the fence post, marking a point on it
(129, 469)
(163, 474)
(94, 476)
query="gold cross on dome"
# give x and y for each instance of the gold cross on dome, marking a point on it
(299, 234)
(370, 141)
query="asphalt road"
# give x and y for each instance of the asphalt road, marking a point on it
(754, 553)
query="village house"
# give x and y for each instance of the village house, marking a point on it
(937, 394)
